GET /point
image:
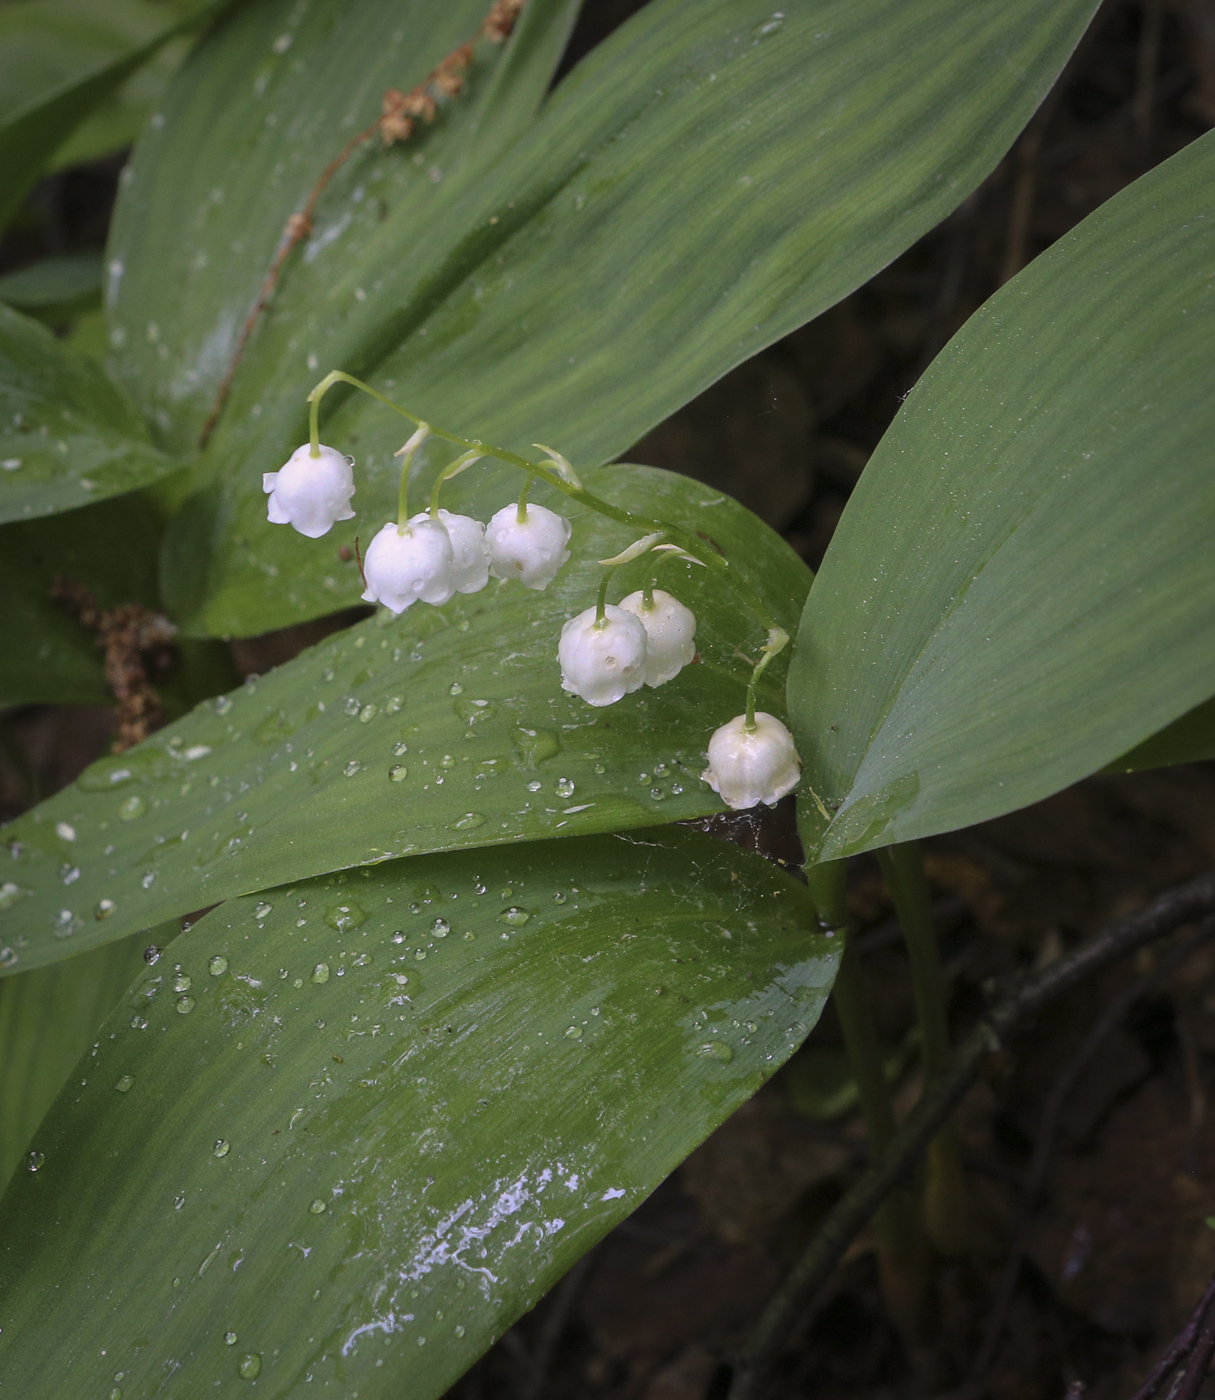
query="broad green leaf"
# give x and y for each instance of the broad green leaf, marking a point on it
(1189, 739)
(45, 655)
(445, 728)
(59, 61)
(355, 1128)
(1022, 587)
(53, 283)
(707, 179)
(48, 1019)
(68, 435)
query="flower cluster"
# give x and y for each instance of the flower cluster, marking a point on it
(605, 653)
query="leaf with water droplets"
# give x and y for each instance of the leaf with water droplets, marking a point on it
(405, 1149)
(202, 810)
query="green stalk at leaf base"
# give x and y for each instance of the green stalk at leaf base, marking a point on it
(901, 1254)
(946, 1216)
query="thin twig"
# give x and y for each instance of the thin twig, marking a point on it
(400, 113)
(1181, 1348)
(1167, 912)
(1044, 1144)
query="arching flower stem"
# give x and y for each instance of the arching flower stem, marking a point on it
(462, 463)
(550, 473)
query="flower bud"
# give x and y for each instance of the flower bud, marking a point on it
(402, 566)
(470, 553)
(532, 549)
(750, 766)
(602, 660)
(310, 492)
(670, 631)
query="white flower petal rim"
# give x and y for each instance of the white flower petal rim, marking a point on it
(602, 661)
(310, 493)
(530, 550)
(747, 767)
(670, 629)
(403, 567)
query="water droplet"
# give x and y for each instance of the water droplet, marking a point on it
(420, 955)
(717, 1050)
(560, 897)
(600, 770)
(230, 1339)
(573, 1033)
(317, 1207)
(105, 907)
(535, 785)
(455, 688)
(138, 1023)
(124, 1084)
(459, 1330)
(514, 916)
(34, 1160)
(447, 761)
(398, 773)
(250, 1366)
(8, 957)
(440, 928)
(218, 965)
(565, 787)
(65, 832)
(221, 1148)
(223, 704)
(9, 894)
(185, 1005)
(344, 916)
(676, 789)
(769, 26)
(398, 937)
(536, 745)
(320, 973)
(399, 749)
(469, 821)
(262, 910)
(657, 794)
(352, 768)
(181, 983)
(151, 954)
(367, 713)
(134, 806)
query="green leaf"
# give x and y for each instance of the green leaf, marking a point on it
(59, 60)
(444, 728)
(359, 1126)
(1189, 739)
(706, 180)
(45, 655)
(48, 1019)
(68, 435)
(53, 283)
(1022, 587)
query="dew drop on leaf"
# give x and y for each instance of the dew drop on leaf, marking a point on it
(221, 1148)
(320, 973)
(250, 1366)
(317, 1207)
(514, 916)
(34, 1160)
(218, 965)
(185, 1005)
(262, 910)
(398, 773)
(124, 1084)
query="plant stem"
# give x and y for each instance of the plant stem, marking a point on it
(521, 511)
(601, 604)
(687, 540)
(778, 639)
(899, 1246)
(946, 1217)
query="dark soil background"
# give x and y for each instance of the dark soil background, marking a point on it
(1117, 1250)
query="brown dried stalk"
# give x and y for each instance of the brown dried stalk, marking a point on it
(134, 640)
(400, 113)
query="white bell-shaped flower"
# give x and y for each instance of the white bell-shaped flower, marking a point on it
(532, 549)
(602, 660)
(470, 553)
(670, 631)
(402, 566)
(747, 766)
(310, 492)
